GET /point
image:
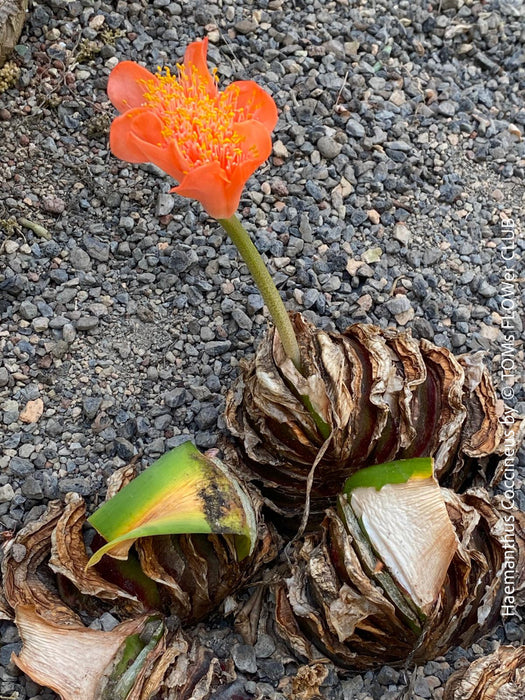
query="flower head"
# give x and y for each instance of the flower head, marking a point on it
(209, 141)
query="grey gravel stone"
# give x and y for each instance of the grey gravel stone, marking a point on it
(6, 493)
(7, 650)
(108, 622)
(387, 675)
(68, 332)
(53, 427)
(87, 323)
(10, 411)
(246, 26)
(206, 417)
(423, 328)
(40, 324)
(175, 398)
(217, 347)
(354, 128)
(4, 377)
(513, 631)
(422, 688)
(21, 467)
(487, 290)
(96, 249)
(242, 319)
(447, 108)
(328, 147)
(124, 449)
(80, 260)
(271, 669)
(31, 488)
(351, 687)
(91, 405)
(165, 203)
(398, 304)
(402, 233)
(59, 275)
(64, 296)
(80, 484)
(420, 286)
(264, 647)
(182, 260)
(244, 658)
(59, 349)
(254, 303)
(127, 222)
(14, 285)
(28, 310)
(457, 340)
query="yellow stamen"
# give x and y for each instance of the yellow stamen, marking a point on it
(202, 125)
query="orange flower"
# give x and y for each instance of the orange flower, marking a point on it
(209, 141)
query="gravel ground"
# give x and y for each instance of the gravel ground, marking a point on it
(125, 311)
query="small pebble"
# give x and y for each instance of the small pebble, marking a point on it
(244, 658)
(328, 147)
(87, 323)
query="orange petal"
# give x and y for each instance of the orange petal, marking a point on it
(256, 141)
(136, 136)
(126, 86)
(147, 134)
(167, 158)
(196, 56)
(121, 142)
(208, 184)
(233, 190)
(256, 102)
(238, 180)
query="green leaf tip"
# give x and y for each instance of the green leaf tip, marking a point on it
(398, 472)
(322, 426)
(183, 492)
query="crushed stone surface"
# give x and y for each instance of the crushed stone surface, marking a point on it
(124, 310)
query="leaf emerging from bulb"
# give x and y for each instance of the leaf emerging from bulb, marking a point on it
(183, 492)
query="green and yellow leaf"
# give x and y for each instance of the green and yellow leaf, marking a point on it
(184, 492)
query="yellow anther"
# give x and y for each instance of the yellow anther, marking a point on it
(203, 125)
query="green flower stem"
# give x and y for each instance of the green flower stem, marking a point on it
(266, 286)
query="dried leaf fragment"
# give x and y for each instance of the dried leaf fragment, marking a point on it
(499, 676)
(306, 683)
(74, 661)
(69, 557)
(12, 18)
(23, 555)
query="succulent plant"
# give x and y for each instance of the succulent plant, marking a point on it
(49, 588)
(199, 494)
(398, 574)
(367, 396)
(498, 676)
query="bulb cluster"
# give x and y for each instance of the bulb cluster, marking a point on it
(9, 74)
